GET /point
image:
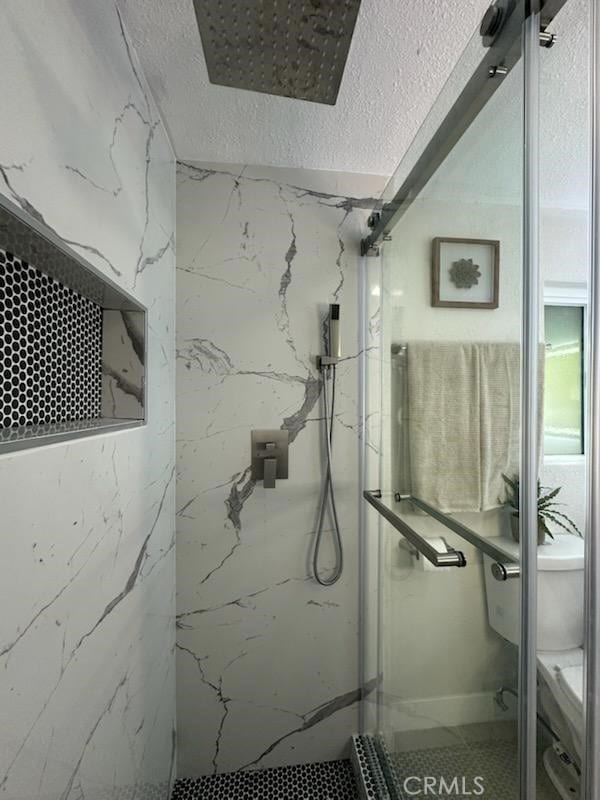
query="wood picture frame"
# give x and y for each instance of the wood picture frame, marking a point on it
(462, 268)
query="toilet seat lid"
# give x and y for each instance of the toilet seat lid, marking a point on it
(571, 682)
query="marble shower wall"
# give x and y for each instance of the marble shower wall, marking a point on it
(267, 659)
(123, 378)
(87, 679)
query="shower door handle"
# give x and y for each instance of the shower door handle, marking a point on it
(452, 558)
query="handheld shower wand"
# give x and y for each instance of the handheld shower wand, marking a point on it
(326, 365)
(335, 342)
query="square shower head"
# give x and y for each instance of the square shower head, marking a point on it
(294, 48)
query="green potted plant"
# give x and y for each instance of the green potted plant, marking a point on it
(547, 510)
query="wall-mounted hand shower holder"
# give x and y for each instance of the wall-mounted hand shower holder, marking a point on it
(269, 456)
(326, 361)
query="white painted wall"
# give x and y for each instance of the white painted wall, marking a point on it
(87, 679)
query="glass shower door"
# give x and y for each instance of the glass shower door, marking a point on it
(488, 497)
(452, 283)
(451, 355)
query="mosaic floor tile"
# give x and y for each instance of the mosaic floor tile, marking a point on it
(330, 780)
(494, 761)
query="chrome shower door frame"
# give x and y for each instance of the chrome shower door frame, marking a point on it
(591, 695)
(530, 451)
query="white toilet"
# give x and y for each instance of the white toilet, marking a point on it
(559, 643)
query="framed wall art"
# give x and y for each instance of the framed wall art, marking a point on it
(465, 273)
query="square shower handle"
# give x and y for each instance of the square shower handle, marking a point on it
(269, 456)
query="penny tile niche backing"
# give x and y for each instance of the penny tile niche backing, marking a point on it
(72, 344)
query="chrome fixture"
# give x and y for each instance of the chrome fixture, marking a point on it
(500, 702)
(269, 456)
(547, 40)
(493, 20)
(453, 558)
(529, 461)
(326, 364)
(504, 572)
(335, 343)
(504, 567)
(369, 250)
(503, 51)
(296, 50)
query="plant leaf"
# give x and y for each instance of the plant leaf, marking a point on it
(512, 496)
(574, 527)
(549, 496)
(564, 516)
(571, 528)
(556, 521)
(514, 483)
(551, 504)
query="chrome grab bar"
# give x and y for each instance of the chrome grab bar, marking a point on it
(453, 558)
(504, 568)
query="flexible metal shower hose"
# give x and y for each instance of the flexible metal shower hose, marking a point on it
(328, 493)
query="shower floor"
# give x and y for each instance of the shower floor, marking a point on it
(329, 780)
(495, 761)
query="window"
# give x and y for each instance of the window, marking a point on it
(564, 326)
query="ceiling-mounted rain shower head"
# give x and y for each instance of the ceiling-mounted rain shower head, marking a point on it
(294, 48)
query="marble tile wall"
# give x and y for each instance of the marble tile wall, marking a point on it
(268, 667)
(86, 528)
(123, 356)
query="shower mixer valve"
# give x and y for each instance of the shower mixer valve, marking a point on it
(269, 456)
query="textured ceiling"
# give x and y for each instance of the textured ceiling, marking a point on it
(400, 56)
(485, 165)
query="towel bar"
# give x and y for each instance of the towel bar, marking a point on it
(507, 566)
(453, 558)
(480, 542)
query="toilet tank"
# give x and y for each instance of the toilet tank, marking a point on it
(560, 593)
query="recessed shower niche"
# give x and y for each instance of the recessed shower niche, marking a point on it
(72, 343)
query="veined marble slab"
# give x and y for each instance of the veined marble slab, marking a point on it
(87, 679)
(123, 377)
(267, 659)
